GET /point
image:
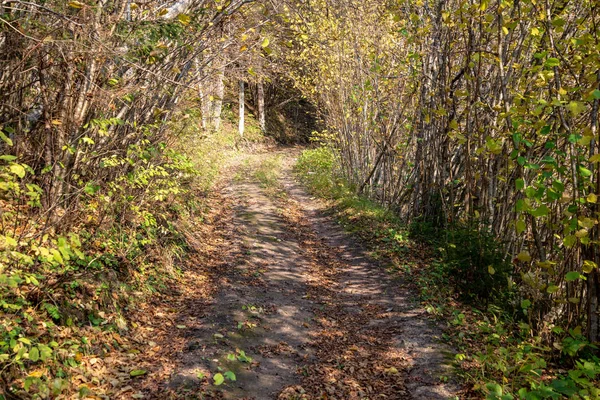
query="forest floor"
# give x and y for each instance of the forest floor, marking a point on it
(279, 302)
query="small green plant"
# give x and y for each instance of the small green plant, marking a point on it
(219, 378)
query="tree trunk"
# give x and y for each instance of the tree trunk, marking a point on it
(217, 103)
(241, 100)
(261, 106)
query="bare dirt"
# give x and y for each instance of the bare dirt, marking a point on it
(292, 307)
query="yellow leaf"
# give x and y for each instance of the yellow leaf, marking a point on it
(592, 198)
(581, 233)
(36, 374)
(491, 270)
(265, 42)
(524, 256)
(391, 370)
(586, 222)
(576, 107)
(588, 266)
(75, 4)
(57, 257)
(56, 122)
(184, 19)
(9, 242)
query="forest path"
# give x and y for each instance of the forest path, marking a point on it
(300, 311)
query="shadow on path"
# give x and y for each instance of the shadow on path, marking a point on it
(298, 312)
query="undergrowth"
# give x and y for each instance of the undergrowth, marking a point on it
(465, 280)
(67, 289)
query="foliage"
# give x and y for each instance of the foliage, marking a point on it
(499, 352)
(55, 287)
(474, 114)
(478, 266)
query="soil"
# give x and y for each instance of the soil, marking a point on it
(292, 307)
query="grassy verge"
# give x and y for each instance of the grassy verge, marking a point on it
(464, 280)
(265, 169)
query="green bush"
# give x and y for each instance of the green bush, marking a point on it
(424, 231)
(477, 264)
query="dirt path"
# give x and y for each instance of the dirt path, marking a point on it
(300, 311)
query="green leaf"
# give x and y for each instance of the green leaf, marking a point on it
(10, 241)
(521, 226)
(524, 256)
(521, 205)
(569, 241)
(45, 352)
(552, 289)
(552, 62)
(584, 172)
(558, 186)
(520, 184)
(541, 211)
(137, 372)
(34, 354)
(7, 157)
(230, 375)
(494, 388)
(572, 276)
(5, 138)
(25, 340)
(219, 379)
(525, 304)
(57, 257)
(589, 266)
(265, 43)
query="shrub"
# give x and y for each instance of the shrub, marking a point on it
(477, 264)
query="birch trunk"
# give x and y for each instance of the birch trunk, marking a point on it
(261, 106)
(241, 101)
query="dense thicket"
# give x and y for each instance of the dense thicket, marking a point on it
(473, 115)
(102, 104)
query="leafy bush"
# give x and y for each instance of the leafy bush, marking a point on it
(479, 267)
(61, 282)
(425, 231)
